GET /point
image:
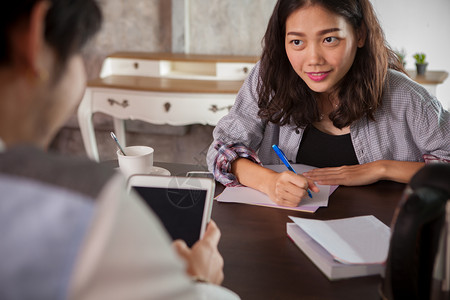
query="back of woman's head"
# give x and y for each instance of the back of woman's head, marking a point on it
(68, 25)
(360, 91)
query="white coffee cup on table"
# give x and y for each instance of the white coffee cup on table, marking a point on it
(138, 160)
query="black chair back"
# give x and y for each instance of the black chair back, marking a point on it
(417, 228)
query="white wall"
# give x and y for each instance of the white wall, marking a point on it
(419, 26)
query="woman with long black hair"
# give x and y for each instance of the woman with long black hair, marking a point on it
(332, 94)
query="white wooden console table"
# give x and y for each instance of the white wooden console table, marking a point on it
(161, 88)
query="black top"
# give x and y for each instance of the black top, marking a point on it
(321, 150)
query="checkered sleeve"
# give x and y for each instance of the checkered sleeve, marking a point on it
(429, 159)
(237, 134)
(226, 154)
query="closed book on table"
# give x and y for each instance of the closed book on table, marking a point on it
(329, 264)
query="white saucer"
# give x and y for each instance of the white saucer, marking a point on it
(159, 171)
(156, 171)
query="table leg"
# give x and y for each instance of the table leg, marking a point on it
(87, 127)
(119, 130)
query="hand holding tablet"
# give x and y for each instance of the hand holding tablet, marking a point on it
(203, 260)
(183, 204)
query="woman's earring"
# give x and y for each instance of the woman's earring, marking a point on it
(35, 75)
(43, 75)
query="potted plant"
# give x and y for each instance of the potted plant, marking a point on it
(401, 54)
(421, 64)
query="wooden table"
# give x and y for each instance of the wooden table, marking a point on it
(261, 262)
(430, 77)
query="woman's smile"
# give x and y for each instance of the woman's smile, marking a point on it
(318, 76)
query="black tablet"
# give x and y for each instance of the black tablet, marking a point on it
(183, 204)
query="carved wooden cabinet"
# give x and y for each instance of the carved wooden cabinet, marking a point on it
(161, 88)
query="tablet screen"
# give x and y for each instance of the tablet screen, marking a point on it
(180, 210)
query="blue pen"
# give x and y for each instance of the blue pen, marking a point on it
(286, 163)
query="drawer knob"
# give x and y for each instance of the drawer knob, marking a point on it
(245, 69)
(167, 106)
(124, 103)
(214, 108)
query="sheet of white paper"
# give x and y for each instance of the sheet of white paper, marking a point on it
(357, 240)
(250, 196)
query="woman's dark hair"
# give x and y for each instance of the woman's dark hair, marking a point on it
(68, 25)
(284, 98)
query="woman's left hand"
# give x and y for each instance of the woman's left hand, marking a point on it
(399, 171)
(347, 175)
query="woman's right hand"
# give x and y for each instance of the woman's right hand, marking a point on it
(288, 188)
(203, 259)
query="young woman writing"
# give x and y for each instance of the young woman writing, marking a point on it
(331, 93)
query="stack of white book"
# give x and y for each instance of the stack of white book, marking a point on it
(343, 248)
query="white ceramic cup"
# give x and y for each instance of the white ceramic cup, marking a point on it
(138, 160)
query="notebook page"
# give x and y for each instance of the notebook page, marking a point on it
(248, 195)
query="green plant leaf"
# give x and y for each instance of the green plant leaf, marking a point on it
(420, 58)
